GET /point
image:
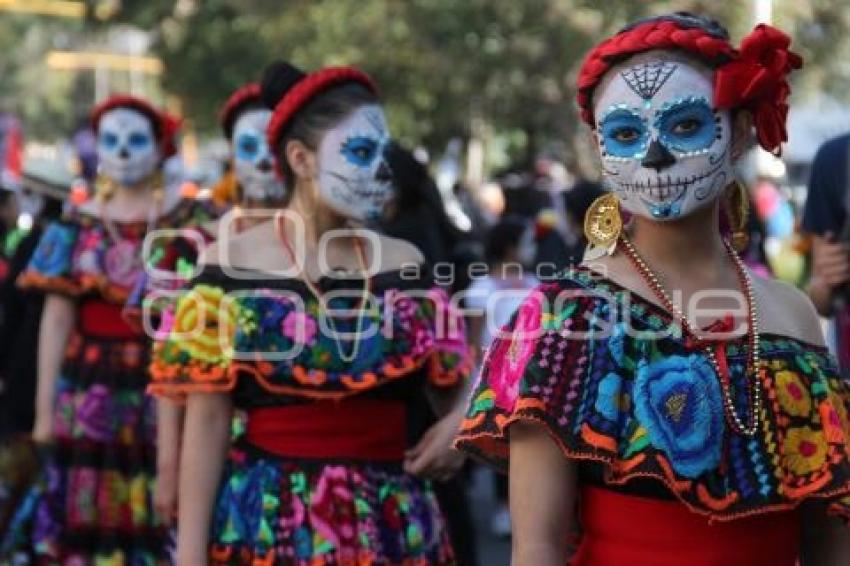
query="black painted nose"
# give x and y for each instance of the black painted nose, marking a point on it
(384, 173)
(124, 153)
(264, 165)
(657, 157)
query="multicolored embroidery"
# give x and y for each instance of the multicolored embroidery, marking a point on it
(650, 407)
(77, 256)
(328, 514)
(278, 340)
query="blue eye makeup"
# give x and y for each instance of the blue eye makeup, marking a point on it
(687, 125)
(248, 147)
(138, 140)
(108, 141)
(624, 133)
(360, 150)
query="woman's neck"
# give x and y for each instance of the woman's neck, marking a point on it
(317, 218)
(131, 201)
(688, 244)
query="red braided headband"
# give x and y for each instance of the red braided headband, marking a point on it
(753, 78)
(248, 94)
(308, 88)
(166, 125)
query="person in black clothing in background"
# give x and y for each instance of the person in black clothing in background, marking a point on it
(826, 218)
(553, 252)
(419, 217)
(21, 313)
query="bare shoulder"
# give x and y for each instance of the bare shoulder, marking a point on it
(784, 309)
(247, 249)
(395, 253)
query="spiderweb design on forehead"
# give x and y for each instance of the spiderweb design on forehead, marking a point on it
(647, 79)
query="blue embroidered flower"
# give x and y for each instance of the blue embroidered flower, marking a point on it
(303, 543)
(677, 399)
(608, 396)
(52, 257)
(617, 343)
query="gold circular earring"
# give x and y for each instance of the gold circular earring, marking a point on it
(602, 226)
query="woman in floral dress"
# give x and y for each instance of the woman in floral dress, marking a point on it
(254, 191)
(324, 359)
(660, 400)
(92, 413)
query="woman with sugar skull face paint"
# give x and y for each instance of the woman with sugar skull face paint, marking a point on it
(252, 185)
(661, 401)
(93, 417)
(324, 333)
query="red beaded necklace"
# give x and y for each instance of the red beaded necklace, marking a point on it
(753, 362)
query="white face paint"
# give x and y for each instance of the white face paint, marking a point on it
(665, 150)
(127, 150)
(253, 161)
(354, 178)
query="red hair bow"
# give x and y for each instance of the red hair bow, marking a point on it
(756, 80)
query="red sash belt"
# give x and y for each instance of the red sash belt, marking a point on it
(620, 529)
(102, 319)
(356, 428)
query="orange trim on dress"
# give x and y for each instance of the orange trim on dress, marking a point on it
(496, 444)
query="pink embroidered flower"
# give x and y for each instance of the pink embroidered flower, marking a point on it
(299, 327)
(423, 341)
(166, 324)
(332, 512)
(295, 518)
(509, 355)
(122, 263)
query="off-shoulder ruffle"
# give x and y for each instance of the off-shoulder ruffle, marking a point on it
(266, 321)
(76, 255)
(650, 408)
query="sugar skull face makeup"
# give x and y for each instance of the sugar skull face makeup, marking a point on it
(253, 161)
(665, 150)
(354, 178)
(127, 150)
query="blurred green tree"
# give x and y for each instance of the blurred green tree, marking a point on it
(447, 68)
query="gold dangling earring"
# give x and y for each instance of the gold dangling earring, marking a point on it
(738, 212)
(602, 226)
(104, 188)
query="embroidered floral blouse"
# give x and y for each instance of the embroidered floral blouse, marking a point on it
(632, 408)
(265, 341)
(80, 256)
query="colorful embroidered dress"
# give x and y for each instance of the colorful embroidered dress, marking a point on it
(643, 414)
(317, 477)
(94, 505)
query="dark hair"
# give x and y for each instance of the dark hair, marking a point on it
(232, 117)
(503, 236)
(312, 121)
(685, 20)
(579, 198)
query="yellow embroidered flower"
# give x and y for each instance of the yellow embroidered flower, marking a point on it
(793, 395)
(805, 450)
(205, 324)
(139, 490)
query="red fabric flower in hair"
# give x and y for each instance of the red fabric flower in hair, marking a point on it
(756, 80)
